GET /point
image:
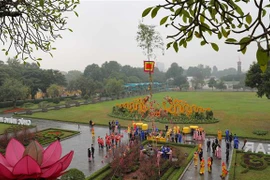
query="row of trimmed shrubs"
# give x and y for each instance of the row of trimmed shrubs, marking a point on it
(7, 104)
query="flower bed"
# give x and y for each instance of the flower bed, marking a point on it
(172, 110)
(13, 110)
(255, 161)
(132, 167)
(47, 136)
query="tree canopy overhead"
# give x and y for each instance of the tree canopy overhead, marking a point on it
(223, 19)
(29, 25)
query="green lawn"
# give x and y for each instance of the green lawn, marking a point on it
(240, 112)
(3, 127)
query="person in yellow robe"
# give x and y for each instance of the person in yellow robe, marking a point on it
(209, 164)
(224, 171)
(195, 159)
(219, 135)
(202, 166)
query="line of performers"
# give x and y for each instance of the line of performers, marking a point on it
(197, 156)
(199, 134)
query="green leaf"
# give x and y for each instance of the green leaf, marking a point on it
(155, 11)
(248, 19)
(51, 54)
(224, 32)
(244, 40)
(243, 49)
(239, 10)
(202, 19)
(263, 68)
(231, 40)
(39, 59)
(146, 11)
(215, 46)
(3, 49)
(203, 43)
(163, 20)
(41, 3)
(175, 46)
(169, 45)
(197, 34)
(70, 30)
(263, 12)
(76, 13)
(219, 35)
(38, 64)
(53, 48)
(185, 44)
(6, 53)
(262, 57)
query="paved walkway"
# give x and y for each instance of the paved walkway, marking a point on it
(192, 173)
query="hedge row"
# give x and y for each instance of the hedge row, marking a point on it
(7, 104)
(105, 170)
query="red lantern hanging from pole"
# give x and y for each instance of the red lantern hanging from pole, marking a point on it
(149, 66)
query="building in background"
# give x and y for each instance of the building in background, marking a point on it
(239, 71)
(160, 66)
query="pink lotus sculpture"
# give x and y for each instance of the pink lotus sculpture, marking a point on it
(33, 161)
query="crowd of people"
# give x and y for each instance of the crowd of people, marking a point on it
(214, 150)
(173, 134)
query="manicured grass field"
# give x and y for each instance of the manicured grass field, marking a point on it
(240, 112)
(3, 127)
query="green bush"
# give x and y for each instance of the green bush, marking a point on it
(73, 174)
(167, 173)
(28, 105)
(56, 100)
(43, 104)
(260, 132)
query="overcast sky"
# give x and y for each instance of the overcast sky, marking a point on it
(106, 30)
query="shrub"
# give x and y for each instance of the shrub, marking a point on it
(28, 112)
(260, 132)
(44, 109)
(56, 100)
(28, 105)
(86, 97)
(56, 108)
(43, 104)
(73, 174)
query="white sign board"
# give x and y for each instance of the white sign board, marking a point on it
(15, 121)
(264, 148)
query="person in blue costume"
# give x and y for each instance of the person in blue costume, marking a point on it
(142, 136)
(236, 142)
(227, 133)
(180, 138)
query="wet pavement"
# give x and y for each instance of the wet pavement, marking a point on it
(192, 173)
(80, 143)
